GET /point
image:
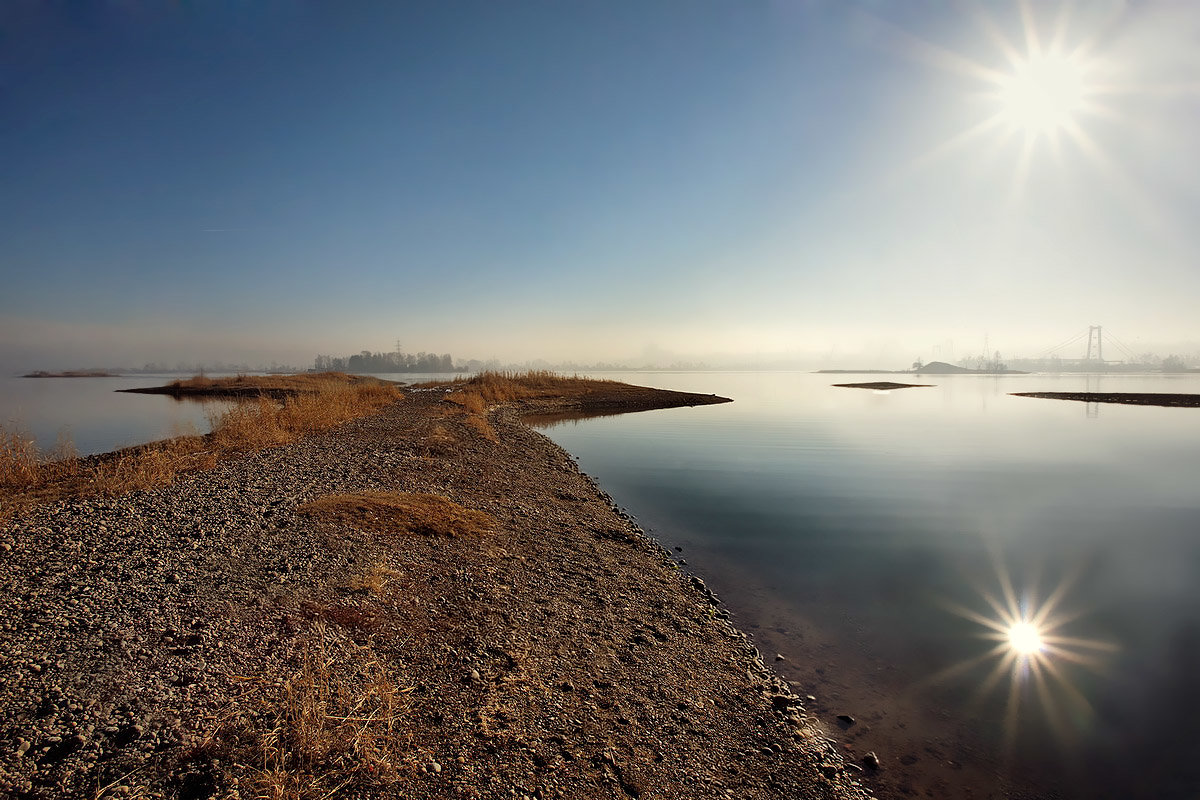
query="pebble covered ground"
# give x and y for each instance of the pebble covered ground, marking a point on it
(147, 640)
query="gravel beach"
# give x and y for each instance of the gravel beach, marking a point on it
(150, 644)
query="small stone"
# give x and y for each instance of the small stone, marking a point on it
(779, 657)
(871, 761)
(473, 676)
(435, 766)
(22, 748)
(846, 718)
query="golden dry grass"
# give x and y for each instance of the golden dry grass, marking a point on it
(375, 580)
(28, 476)
(332, 726)
(398, 512)
(477, 394)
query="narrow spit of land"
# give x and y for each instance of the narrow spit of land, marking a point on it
(1127, 398)
(246, 386)
(73, 373)
(431, 601)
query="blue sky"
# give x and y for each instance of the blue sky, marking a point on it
(258, 181)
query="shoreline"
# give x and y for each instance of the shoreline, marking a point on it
(561, 653)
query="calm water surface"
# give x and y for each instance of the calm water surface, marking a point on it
(876, 540)
(95, 416)
(98, 418)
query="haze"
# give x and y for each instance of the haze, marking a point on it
(595, 181)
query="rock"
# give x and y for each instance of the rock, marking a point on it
(779, 657)
(845, 718)
(473, 676)
(871, 761)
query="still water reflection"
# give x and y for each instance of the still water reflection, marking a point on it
(94, 415)
(98, 418)
(1004, 592)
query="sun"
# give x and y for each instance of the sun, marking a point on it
(1025, 639)
(1043, 94)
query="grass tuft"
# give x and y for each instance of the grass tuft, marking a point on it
(395, 512)
(332, 726)
(375, 580)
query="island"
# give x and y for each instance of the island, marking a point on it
(883, 386)
(1126, 398)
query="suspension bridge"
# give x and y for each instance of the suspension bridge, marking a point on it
(1091, 341)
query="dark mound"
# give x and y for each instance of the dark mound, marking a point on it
(1128, 398)
(883, 385)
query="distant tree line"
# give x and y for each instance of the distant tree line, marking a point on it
(366, 361)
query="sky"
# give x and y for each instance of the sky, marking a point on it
(720, 180)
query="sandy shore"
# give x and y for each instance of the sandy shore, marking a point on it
(167, 643)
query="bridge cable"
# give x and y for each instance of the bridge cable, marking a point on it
(1076, 337)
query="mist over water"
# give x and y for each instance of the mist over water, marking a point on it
(861, 534)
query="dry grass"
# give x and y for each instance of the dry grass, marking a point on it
(331, 727)
(477, 394)
(396, 512)
(376, 580)
(28, 476)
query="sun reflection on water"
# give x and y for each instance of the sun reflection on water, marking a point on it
(1034, 650)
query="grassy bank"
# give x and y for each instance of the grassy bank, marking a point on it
(284, 409)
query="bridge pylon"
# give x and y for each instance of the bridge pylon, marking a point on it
(1095, 344)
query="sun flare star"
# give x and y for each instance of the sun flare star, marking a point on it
(1025, 639)
(1044, 93)
(1032, 648)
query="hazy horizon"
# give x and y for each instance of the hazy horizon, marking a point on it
(850, 184)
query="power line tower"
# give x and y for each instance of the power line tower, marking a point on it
(1095, 344)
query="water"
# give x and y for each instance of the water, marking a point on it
(94, 415)
(97, 418)
(859, 535)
